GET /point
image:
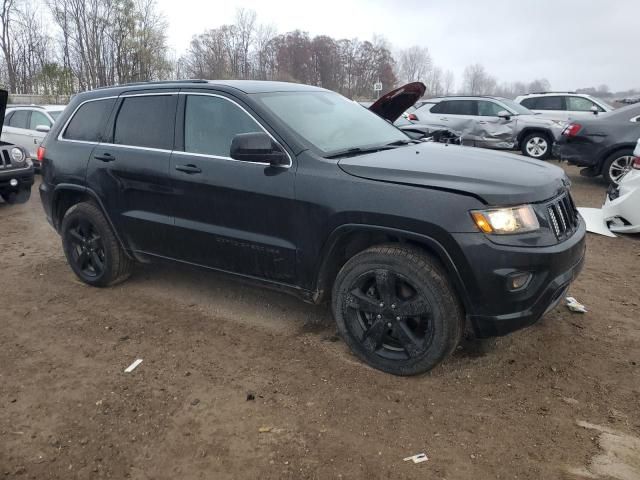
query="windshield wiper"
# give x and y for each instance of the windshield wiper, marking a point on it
(351, 152)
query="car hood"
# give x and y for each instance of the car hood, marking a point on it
(393, 104)
(493, 177)
(4, 96)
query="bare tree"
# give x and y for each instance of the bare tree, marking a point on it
(476, 81)
(7, 15)
(448, 83)
(415, 64)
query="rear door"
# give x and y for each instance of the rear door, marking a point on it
(550, 106)
(231, 215)
(130, 170)
(37, 119)
(460, 116)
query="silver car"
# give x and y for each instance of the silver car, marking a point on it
(489, 122)
(28, 125)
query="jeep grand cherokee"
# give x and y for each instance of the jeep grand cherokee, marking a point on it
(304, 190)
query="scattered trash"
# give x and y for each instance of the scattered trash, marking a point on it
(575, 306)
(418, 458)
(264, 429)
(195, 402)
(250, 397)
(133, 366)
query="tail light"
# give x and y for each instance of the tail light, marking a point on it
(636, 163)
(413, 117)
(572, 130)
(40, 153)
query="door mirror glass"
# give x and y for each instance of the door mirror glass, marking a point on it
(43, 128)
(258, 147)
(504, 114)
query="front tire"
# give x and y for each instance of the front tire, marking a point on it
(396, 309)
(92, 250)
(617, 165)
(537, 145)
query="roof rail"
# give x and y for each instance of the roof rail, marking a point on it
(155, 82)
(31, 105)
(543, 93)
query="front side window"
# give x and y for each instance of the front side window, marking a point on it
(89, 121)
(19, 119)
(549, 103)
(329, 121)
(489, 109)
(580, 104)
(38, 118)
(146, 121)
(210, 123)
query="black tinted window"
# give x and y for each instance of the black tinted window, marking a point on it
(549, 103)
(19, 119)
(88, 122)
(530, 103)
(210, 123)
(146, 121)
(456, 107)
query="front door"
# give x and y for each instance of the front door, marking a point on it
(230, 215)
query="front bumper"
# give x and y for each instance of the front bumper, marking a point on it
(24, 177)
(495, 310)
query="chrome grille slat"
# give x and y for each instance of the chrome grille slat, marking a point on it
(563, 216)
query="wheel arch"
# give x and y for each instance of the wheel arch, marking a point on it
(612, 150)
(529, 130)
(348, 240)
(66, 196)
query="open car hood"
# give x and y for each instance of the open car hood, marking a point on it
(4, 96)
(393, 104)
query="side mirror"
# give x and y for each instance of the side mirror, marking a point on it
(43, 128)
(504, 114)
(595, 110)
(258, 147)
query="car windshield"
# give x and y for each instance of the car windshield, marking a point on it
(54, 114)
(516, 107)
(331, 122)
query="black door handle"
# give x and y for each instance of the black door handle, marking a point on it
(190, 168)
(106, 157)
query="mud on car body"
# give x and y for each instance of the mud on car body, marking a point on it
(300, 189)
(16, 168)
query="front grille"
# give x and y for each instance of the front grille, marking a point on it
(5, 161)
(563, 216)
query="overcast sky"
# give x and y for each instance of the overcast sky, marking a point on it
(572, 43)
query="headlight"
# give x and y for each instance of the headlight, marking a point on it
(503, 221)
(17, 155)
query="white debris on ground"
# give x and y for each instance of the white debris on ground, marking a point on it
(575, 306)
(418, 458)
(594, 219)
(133, 366)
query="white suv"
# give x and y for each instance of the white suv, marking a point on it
(564, 105)
(27, 126)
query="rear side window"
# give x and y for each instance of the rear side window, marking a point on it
(19, 119)
(456, 107)
(89, 120)
(210, 123)
(548, 103)
(530, 103)
(146, 121)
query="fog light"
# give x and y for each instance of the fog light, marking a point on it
(13, 182)
(518, 280)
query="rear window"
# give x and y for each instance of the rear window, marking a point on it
(146, 121)
(89, 120)
(456, 107)
(19, 119)
(546, 103)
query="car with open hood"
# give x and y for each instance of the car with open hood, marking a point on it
(16, 167)
(300, 189)
(488, 122)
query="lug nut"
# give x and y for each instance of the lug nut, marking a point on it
(381, 305)
(393, 305)
(379, 316)
(389, 325)
(398, 318)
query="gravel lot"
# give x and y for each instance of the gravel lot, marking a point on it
(241, 382)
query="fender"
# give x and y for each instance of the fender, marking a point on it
(527, 130)
(432, 245)
(61, 187)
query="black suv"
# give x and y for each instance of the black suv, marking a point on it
(304, 190)
(16, 168)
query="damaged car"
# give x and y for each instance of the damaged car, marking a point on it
(300, 189)
(621, 209)
(488, 122)
(16, 167)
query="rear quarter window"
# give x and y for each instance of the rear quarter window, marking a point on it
(88, 122)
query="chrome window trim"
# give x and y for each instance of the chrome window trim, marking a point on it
(60, 138)
(219, 157)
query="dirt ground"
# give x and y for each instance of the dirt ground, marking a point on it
(558, 400)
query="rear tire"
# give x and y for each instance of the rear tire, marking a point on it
(616, 165)
(396, 309)
(92, 250)
(537, 145)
